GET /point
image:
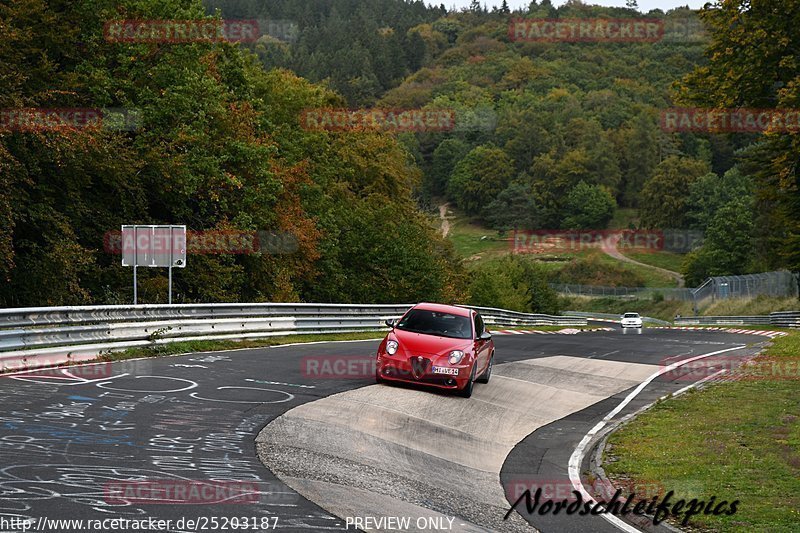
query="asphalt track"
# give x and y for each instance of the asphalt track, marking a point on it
(336, 444)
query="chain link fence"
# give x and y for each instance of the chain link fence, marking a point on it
(782, 284)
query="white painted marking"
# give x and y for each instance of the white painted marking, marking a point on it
(289, 397)
(576, 458)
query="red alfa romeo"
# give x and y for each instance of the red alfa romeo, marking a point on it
(442, 346)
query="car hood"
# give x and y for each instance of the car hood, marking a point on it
(419, 343)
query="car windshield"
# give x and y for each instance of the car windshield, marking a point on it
(631, 315)
(435, 323)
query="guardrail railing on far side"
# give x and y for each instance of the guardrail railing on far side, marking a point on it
(36, 337)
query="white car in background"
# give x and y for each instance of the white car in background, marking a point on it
(631, 320)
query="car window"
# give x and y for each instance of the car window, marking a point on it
(631, 315)
(479, 326)
(435, 323)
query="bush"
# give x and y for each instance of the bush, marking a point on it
(515, 284)
(593, 271)
(588, 206)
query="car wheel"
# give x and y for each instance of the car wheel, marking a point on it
(378, 378)
(488, 373)
(466, 392)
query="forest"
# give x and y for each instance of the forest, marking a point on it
(573, 135)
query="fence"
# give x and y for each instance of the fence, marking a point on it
(599, 291)
(780, 284)
(35, 337)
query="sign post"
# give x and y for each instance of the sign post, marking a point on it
(153, 246)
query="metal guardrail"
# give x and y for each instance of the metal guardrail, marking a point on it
(614, 318)
(723, 321)
(786, 319)
(35, 337)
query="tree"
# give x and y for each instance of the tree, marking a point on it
(746, 70)
(588, 207)
(710, 192)
(479, 178)
(664, 197)
(514, 208)
(727, 248)
(444, 159)
(513, 283)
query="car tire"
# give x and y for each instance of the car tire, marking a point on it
(466, 392)
(488, 372)
(378, 378)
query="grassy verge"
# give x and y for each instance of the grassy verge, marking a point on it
(652, 278)
(668, 260)
(664, 310)
(475, 242)
(733, 440)
(667, 309)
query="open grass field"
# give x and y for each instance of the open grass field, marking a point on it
(737, 440)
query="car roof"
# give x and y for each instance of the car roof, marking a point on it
(441, 308)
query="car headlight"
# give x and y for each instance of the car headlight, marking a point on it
(456, 356)
(391, 347)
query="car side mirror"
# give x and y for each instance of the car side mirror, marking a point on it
(485, 336)
(390, 322)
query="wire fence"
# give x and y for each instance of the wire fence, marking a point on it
(781, 284)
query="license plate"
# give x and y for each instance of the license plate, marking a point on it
(445, 370)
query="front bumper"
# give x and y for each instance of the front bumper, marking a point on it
(632, 324)
(410, 369)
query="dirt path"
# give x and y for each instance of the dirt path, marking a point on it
(610, 249)
(445, 222)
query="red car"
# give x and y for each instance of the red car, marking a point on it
(442, 346)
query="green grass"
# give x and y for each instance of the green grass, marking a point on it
(664, 310)
(667, 309)
(475, 242)
(478, 245)
(734, 440)
(652, 278)
(668, 260)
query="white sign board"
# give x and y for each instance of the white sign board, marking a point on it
(154, 246)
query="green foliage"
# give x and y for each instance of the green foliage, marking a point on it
(728, 248)
(445, 157)
(479, 178)
(665, 196)
(745, 69)
(513, 283)
(514, 208)
(588, 207)
(591, 270)
(711, 192)
(219, 148)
